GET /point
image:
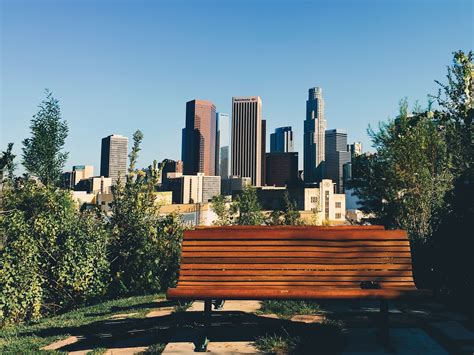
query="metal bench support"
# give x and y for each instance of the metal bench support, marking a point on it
(383, 331)
(203, 340)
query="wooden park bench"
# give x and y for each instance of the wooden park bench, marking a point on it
(291, 263)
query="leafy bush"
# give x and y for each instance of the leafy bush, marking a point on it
(53, 257)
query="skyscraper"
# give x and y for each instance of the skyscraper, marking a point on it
(223, 145)
(247, 145)
(336, 157)
(113, 157)
(199, 138)
(282, 140)
(314, 130)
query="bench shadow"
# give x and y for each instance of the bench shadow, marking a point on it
(228, 326)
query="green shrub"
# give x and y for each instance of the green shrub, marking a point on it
(54, 257)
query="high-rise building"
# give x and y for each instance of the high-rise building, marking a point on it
(223, 145)
(264, 150)
(169, 166)
(355, 149)
(336, 157)
(314, 130)
(247, 145)
(281, 169)
(199, 138)
(194, 188)
(282, 140)
(113, 158)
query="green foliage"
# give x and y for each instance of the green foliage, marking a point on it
(53, 257)
(42, 153)
(405, 182)
(221, 207)
(248, 208)
(7, 162)
(288, 215)
(144, 247)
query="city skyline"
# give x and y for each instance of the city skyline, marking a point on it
(84, 65)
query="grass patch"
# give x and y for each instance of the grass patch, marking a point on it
(30, 337)
(155, 349)
(288, 309)
(319, 338)
(97, 351)
(276, 344)
(182, 306)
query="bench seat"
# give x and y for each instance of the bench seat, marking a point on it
(280, 293)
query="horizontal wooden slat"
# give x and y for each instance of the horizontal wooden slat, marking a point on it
(270, 248)
(223, 272)
(263, 284)
(292, 260)
(289, 234)
(263, 254)
(296, 242)
(292, 278)
(319, 266)
(293, 293)
(235, 227)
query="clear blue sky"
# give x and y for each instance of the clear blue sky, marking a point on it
(117, 66)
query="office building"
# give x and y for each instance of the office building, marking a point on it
(95, 185)
(336, 157)
(323, 202)
(71, 178)
(355, 149)
(264, 150)
(281, 141)
(197, 188)
(199, 138)
(281, 169)
(247, 136)
(223, 145)
(314, 130)
(113, 158)
(234, 184)
(169, 166)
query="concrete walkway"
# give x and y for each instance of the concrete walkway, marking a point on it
(416, 328)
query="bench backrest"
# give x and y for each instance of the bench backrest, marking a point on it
(281, 256)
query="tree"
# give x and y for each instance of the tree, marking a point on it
(7, 162)
(287, 215)
(220, 206)
(248, 208)
(144, 246)
(405, 182)
(43, 154)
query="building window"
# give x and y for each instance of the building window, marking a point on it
(338, 205)
(314, 199)
(338, 216)
(326, 204)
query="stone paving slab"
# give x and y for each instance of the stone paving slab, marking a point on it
(236, 347)
(454, 331)
(160, 312)
(402, 341)
(241, 306)
(60, 343)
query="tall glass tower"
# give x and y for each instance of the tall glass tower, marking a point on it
(314, 130)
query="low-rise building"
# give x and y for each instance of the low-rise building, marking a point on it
(322, 201)
(71, 178)
(234, 184)
(95, 185)
(198, 188)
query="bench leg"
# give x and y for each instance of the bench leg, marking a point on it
(383, 331)
(201, 345)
